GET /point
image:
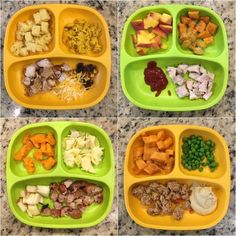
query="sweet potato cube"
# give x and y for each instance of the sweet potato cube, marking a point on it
(170, 152)
(37, 139)
(201, 44)
(168, 142)
(140, 164)
(169, 164)
(161, 145)
(48, 163)
(182, 29)
(138, 151)
(193, 15)
(29, 165)
(211, 28)
(206, 19)
(43, 147)
(161, 135)
(159, 157)
(209, 40)
(201, 26)
(136, 170)
(192, 24)
(152, 169)
(50, 150)
(26, 138)
(38, 155)
(148, 151)
(23, 152)
(150, 139)
(50, 139)
(185, 20)
(204, 34)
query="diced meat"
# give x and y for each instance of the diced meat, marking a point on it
(58, 205)
(55, 213)
(192, 95)
(203, 70)
(30, 71)
(98, 198)
(189, 84)
(27, 81)
(75, 214)
(54, 196)
(65, 67)
(44, 63)
(194, 68)
(154, 211)
(92, 189)
(45, 211)
(68, 183)
(207, 95)
(193, 76)
(65, 211)
(182, 68)
(182, 91)
(178, 79)
(172, 71)
(178, 213)
(62, 189)
(70, 198)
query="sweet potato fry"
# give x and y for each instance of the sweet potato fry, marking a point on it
(204, 34)
(152, 169)
(209, 40)
(168, 142)
(160, 157)
(138, 151)
(37, 139)
(161, 145)
(149, 139)
(206, 19)
(201, 26)
(185, 20)
(160, 135)
(182, 29)
(29, 165)
(170, 152)
(140, 164)
(26, 138)
(38, 155)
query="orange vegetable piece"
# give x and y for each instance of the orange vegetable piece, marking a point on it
(48, 163)
(26, 139)
(161, 135)
(185, 20)
(148, 151)
(159, 157)
(211, 28)
(206, 19)
(170, 152)
(136, 170)
(170, 164)
(168, 142)
(209, 40)
(204, 34)
(182, 29)
(43, 148)
(152, 169)
(38, 155)
(138, 151)
(50, 139)
(201, 26)
(193, 15)
(140, 164)
(192, 24)
(150, 139)
(29, 165)
(37, 139)
(161, 145)
(50, 150)
(23, 152)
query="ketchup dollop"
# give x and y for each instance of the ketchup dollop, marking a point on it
(155, 77)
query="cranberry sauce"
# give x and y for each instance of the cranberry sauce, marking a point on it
(155, 77)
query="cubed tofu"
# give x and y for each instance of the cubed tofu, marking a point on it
(44, 27)
(28, 37)
(31, 47)
(36, 30)
(44, 15)
(37, 18)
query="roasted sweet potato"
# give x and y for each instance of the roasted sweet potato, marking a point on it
(209, 40)
(193, 15)
(24, 151)
(48, 163)
(204, 34)
(149, 139)
(206, 19)
(50, 139)
(37, 139)
(160, 157)
(182, 29)
(211, 28)
(152, 169)
(201, 26)
(29, 165)
(140, 164)
(185, 20)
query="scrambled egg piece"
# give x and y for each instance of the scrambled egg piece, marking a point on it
(81, 37)
(33, 36)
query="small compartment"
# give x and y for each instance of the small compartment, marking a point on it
(140, 94)
(137, 141)
(220, 152)
(129, 30)
(48, 100)
(107, 158)
(24, 15)
(220, 38)
(17, 167)
(70, 14)
(93, 215)
(190, 221)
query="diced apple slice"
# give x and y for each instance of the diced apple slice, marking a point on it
(166, 19)
(165, 28)
(144, 39)
(156, 42)
(138, 24)
(155, 15)
(150, 22)
(159, 32)
(142, 51)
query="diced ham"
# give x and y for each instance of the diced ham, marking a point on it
(194, 68)
(178, 79)
(207, 95)
(182, 68)
(182, 91)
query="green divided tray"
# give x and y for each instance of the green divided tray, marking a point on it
(18, 178)
(132, 65)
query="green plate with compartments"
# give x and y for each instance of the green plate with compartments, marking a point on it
(18, 178)
(132, 65)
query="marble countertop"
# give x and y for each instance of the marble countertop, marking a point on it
(128, 127)
(107, 107)
(10, 225)
(226, 9)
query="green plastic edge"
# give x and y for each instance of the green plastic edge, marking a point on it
(108, 179)
(126, 59)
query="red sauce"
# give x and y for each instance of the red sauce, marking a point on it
(155, 77)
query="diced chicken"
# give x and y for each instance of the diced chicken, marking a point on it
(182, 91)
(44, 63)
(178, 79)
(203, 87)
(22, 206)
(193, 75)
(172, 71)
(33, 210)
(27, 81)
(182, 68)
(30, 71)
(192, 95)
(65, 67)
(203, 70)
(189, 84)
(207, 95)
(194, 68)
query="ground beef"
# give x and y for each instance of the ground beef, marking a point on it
(164, 199)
